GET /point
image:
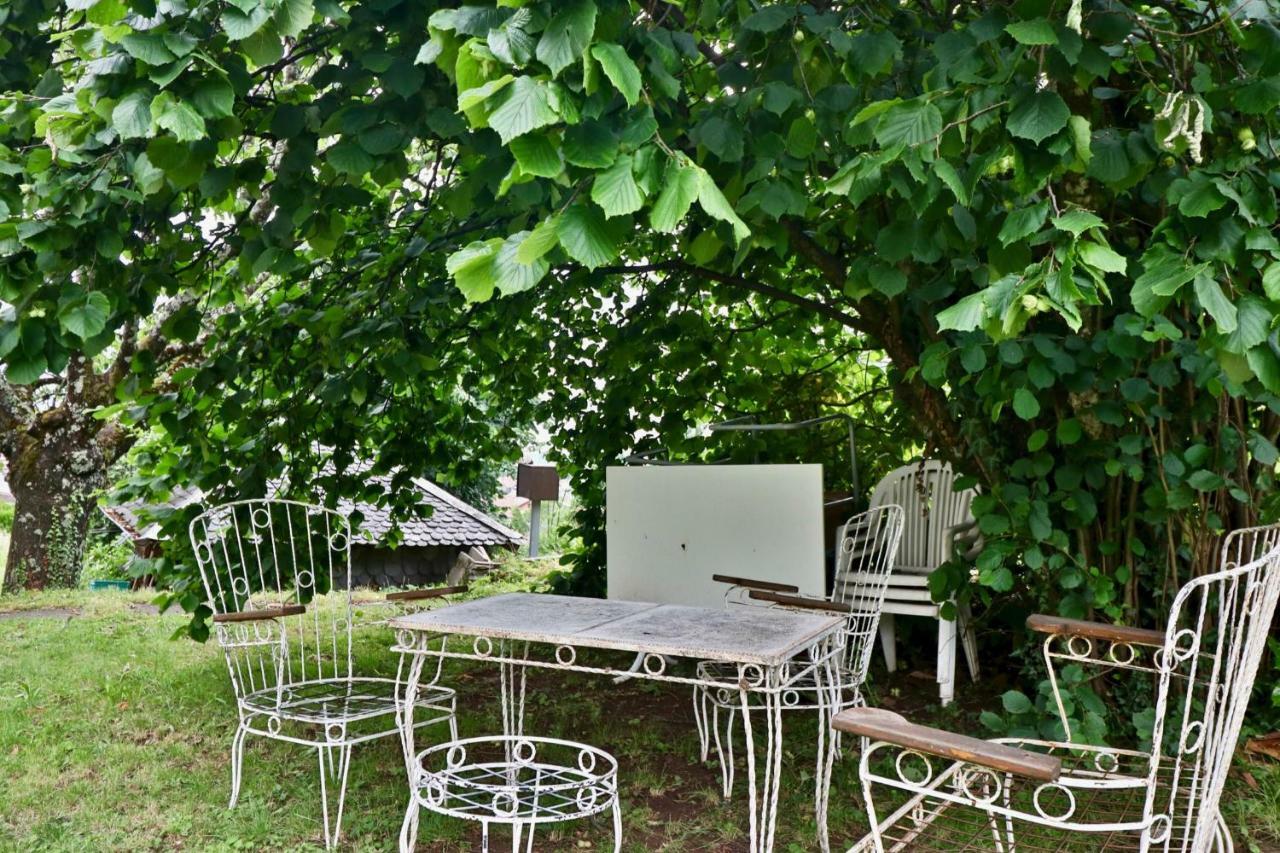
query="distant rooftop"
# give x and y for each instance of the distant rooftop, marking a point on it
(454, 522)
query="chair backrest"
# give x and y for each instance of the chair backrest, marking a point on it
(931, 507)
(866, 549)
(262, 554)
(1214, 642)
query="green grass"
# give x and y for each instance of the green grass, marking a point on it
(113, 736)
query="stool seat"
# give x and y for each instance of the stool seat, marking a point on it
(517, 780)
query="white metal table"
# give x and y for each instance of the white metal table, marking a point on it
(771, 649)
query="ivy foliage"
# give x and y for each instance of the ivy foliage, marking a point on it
(1055, 219)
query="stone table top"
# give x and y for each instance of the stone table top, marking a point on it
(758, 635)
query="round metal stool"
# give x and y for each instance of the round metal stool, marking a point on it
(515, 780)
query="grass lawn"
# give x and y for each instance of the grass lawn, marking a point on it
(114, 737)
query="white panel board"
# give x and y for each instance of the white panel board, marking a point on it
(670, 528)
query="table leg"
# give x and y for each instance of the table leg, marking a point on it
(406, 700)
(830, 692)
(762, 793)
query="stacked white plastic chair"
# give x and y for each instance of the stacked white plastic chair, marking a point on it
(1027, 794)
(934, 514)
(866, 546)
(278, 579)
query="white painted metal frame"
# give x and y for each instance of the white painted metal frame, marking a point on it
(1166, 799)
(933, 513)
(518, 781)
(865, 554)
(291, 669)
(759, 685)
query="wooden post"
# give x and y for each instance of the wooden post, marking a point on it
(538, 483)
(535, 525)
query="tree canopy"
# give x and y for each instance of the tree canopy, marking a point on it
(407, 229)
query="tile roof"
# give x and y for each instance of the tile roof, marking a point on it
(453, 521)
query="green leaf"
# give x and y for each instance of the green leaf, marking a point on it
(240, 25)
(873, 53)
(1101, 257)
(1034, 31)
(477, 95)
(590, 145)
(1076, 222)
(1271, 281)
(132, 116)
(524, 106)
(512, 275)
(472, 269)
(567, 35)
(713, 202)
(349, 158)
(1212, 299)
(951, 178)
(1016, 702)
(769, 18)
(680, 187)
(1081, 138)
(966, 315)
(26, 368)
(1038, 116)
(1260, 97)
(1196, 196)
(214, 98)
(802, 138)
(889, 280)
(1025, 404)
(620, 69)
(1253, 324)
(616, 191)
(908, 123)
(537, 155)
(178, 117)
(541, 239)
(586, 236)
(147, 47)
(1266, 366)
(1020, 224)
(86, 318)
(294, 16)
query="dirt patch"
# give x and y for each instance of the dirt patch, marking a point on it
(149, 609)
(39, 613)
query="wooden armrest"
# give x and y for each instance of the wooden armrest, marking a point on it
(801, 601)
(747, 582)
(1062, 626)
(879, 724)
(259, 615)
(417, 594)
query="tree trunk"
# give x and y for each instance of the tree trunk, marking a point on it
(55, 482)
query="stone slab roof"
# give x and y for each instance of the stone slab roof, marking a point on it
(453, 521)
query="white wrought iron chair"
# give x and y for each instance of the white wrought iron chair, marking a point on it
(935, 514)
(278, 578)
(1036, 795)
(867, 544)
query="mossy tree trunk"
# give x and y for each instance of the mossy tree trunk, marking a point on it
(55, 483)
(58, 456)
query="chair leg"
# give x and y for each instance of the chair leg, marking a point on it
(888, 641)
(704, 742)
(946, 660)
(237, 763)
(617, 825)
(333, 828)
(965, 626)
(724, 747)
(409, 829)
